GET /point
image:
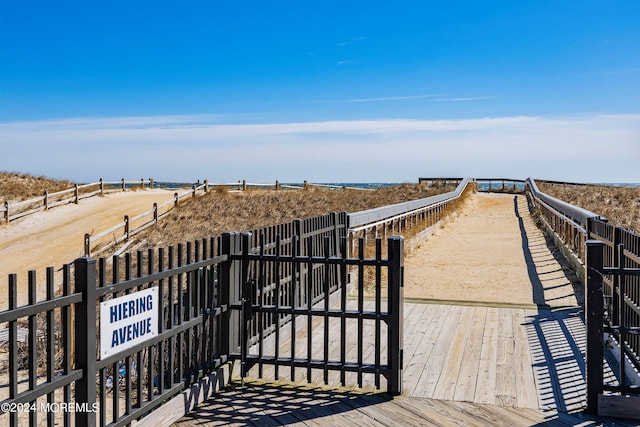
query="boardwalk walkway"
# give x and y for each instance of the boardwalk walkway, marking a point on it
(496, 339)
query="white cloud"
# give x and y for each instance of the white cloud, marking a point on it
(464, 99)
(591, 148)
(389, 98)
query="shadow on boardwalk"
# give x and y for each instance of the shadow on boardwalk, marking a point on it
(276, 404)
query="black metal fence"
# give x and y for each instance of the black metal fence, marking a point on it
(216, 298)
(294, 303)
(610, 259)
(620, 273)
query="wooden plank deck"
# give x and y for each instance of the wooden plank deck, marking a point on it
(522, 357)
(273, 404)
(523, 366)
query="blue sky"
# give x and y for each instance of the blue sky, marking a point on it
(338, 91)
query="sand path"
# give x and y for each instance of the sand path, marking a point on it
(490, 252)
(56, 237)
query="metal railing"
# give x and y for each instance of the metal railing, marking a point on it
(501, 185)
(569, 222)
(607, 258)
(386, 220)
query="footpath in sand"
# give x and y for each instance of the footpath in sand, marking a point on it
(491, 251)
(56, 237)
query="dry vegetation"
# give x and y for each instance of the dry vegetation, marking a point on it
(620, 205)
(15, 187)
(222, 210)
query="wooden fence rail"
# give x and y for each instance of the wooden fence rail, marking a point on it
(131, 226)
(13, 210)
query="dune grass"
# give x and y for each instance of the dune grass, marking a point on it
(223, 210)
(15, 187)
(620, 205)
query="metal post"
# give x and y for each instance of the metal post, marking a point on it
(594, 311)
(85, 339)
(246, 312)
(229, 275)
(396, 315)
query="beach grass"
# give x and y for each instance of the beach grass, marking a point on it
(620, 205)
(15, 186)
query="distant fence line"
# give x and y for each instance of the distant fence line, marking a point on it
(14, 210)
(131, 226)
(11, 211)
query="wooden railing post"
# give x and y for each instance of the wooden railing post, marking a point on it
(395, 308)
(6, 211)
(126, 226)
(594, 311)
(101, 187)
(85, 340)
(76, 194)
(87, 245)
(155, 213)
(45, 196)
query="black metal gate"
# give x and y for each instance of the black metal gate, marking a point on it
(307, 307)
(610, 309)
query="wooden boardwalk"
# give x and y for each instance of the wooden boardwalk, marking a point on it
(276, 404)
(466, 363)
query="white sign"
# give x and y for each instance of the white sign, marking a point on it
(128, 320)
